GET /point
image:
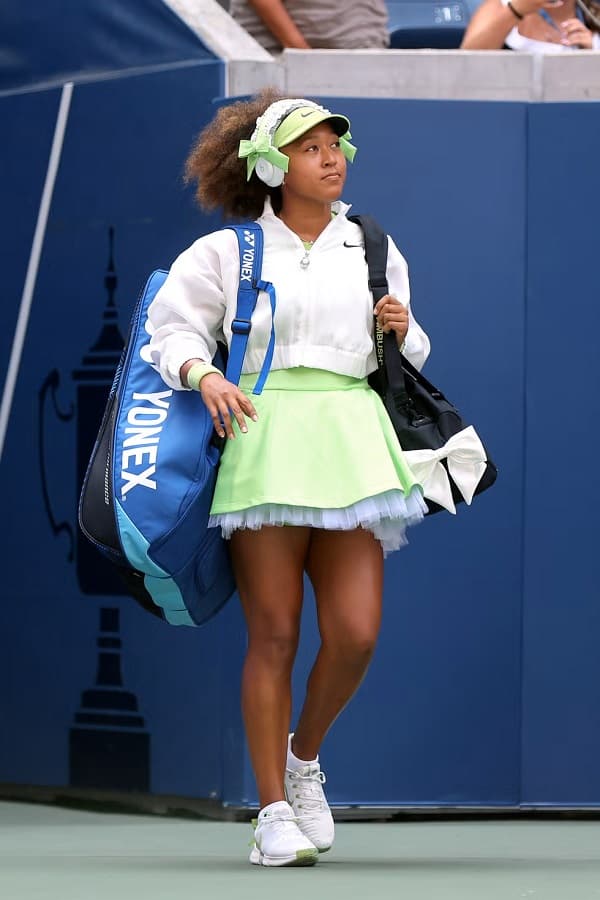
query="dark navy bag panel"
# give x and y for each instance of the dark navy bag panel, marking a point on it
(97, 519)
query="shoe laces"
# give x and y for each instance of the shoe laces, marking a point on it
(308, 788)
(279, 824)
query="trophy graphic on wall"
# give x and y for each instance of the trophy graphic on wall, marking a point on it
(108, 744)
(109, 747)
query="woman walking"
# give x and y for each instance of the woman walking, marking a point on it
(312, 478)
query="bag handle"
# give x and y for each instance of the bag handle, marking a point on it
(389, 358)
(250, 242)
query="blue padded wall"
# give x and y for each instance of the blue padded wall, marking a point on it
(561, 623)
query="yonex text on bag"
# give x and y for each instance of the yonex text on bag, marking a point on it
(148, 489)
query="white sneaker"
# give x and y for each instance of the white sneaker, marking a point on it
(278, 841)
(304, 792)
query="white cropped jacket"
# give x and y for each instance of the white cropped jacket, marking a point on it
(324, 314)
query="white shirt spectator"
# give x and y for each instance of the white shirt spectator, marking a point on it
(516, 41)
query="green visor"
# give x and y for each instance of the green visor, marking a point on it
(302, 120)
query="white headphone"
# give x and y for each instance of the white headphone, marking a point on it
(271, 175)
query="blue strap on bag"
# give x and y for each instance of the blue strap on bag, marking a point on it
(250, 240)
(149, 485)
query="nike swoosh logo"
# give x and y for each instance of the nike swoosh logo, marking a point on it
(346, 244)
(310, 113)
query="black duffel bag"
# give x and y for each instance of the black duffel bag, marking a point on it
(445, 455)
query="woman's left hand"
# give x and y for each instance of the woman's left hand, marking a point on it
(575, 34)
(392, 315)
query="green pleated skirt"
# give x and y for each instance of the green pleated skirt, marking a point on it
(323, 454)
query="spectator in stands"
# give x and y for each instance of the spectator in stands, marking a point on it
(313, 24)
(534, 26)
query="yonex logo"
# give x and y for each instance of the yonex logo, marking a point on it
(141, 448)
(247, 260)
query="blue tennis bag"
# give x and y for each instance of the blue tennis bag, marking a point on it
(149, 485)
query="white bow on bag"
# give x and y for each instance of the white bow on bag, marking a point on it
(466, 460)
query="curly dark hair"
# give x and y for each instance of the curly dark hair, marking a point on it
(214, 165)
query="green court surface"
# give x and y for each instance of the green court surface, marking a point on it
(49, 852)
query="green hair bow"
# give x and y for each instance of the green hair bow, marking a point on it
(261, 146)
(348, 149)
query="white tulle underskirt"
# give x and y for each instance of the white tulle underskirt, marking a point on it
(387, 515)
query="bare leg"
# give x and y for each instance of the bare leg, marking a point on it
(346, 569)
(269, 566)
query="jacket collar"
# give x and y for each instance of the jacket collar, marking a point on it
(338, 207)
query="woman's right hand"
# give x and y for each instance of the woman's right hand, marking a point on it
(222, 398)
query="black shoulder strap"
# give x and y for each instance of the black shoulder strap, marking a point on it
(389, 359)
(376, 251)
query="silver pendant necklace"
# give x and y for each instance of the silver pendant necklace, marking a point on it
(305, 261)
